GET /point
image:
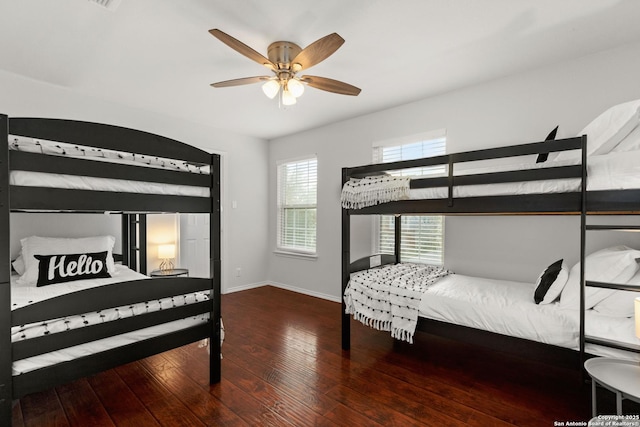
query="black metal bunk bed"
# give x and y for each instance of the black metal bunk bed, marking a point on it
(15, 198)
(580, 202)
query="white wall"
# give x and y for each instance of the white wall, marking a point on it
(517, 109)
(245, 162)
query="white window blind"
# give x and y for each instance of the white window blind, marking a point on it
(297, 195)
(422, 236)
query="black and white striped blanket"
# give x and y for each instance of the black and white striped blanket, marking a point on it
(388, 298)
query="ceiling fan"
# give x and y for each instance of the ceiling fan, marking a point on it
(286, 60)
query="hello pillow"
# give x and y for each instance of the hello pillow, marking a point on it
(69, 267)
(36, 245)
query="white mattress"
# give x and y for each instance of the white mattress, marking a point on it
(507, 308)
(613, 171)
(25, 295)
(70, 353)
(58, 149)
(50, 180)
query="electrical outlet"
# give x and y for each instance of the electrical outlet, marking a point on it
(238, 272)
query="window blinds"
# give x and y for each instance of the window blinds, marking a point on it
(297, 199)
(422, 236)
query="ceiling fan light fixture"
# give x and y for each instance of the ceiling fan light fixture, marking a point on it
(295, 87)
(271, 88)
(288, 98)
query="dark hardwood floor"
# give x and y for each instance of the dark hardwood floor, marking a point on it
(283, 365)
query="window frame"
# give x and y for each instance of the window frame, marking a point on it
(281, 247)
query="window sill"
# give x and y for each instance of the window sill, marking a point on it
(301, 255)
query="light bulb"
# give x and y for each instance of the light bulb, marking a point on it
(288, 98)
(271, 88)
(295, 87)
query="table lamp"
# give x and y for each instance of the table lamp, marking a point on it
(166, 253)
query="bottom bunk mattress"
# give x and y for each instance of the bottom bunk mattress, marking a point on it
(498, 306)
(22, 296)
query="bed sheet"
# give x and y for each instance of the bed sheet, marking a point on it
(74, 182)
(70, 353)
(500, 306)
(507, 307)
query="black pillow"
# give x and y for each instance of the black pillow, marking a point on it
(546, 280)
(544, 156)
(66, 268)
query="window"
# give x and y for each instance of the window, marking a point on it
(297, 189)
(422, 236)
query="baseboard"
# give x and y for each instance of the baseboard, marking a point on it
(245, 287)
(283, 286)
(304, 291)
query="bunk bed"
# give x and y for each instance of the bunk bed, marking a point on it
(558, 186)
(52, 165)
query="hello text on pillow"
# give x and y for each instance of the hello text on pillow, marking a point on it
(69, 267)
(36, 245)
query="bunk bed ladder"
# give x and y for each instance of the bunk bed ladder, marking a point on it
(6, 384)
(587, 283)
(615, 286)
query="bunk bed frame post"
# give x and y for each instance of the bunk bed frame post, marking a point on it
(134, 241)
(397, 237)
(215, 268)
(583, 233)
(346, 260)
(6, 380)
(125, 238)
(142, 243)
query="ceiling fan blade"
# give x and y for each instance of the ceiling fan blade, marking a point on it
(317, 51)
(330, 85)
(242, 48)
(240, 82)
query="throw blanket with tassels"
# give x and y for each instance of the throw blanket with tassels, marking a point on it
(372, 190)
(388, 298)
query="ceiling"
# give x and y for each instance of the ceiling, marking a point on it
(159, 56)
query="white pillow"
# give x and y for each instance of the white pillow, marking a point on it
(620, 303)
(36, 245)
(608, 129)
(18, 265)
(611, 265)
(630, 142)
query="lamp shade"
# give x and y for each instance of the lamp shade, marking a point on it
(271, 88)
(295, 87)
(287, 98)
(166, 251)
(636, 305)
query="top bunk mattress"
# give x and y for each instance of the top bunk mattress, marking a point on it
(613, 171)
(79, 182)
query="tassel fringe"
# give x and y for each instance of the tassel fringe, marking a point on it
(370, 191)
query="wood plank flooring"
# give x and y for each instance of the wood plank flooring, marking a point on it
(283, 366)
